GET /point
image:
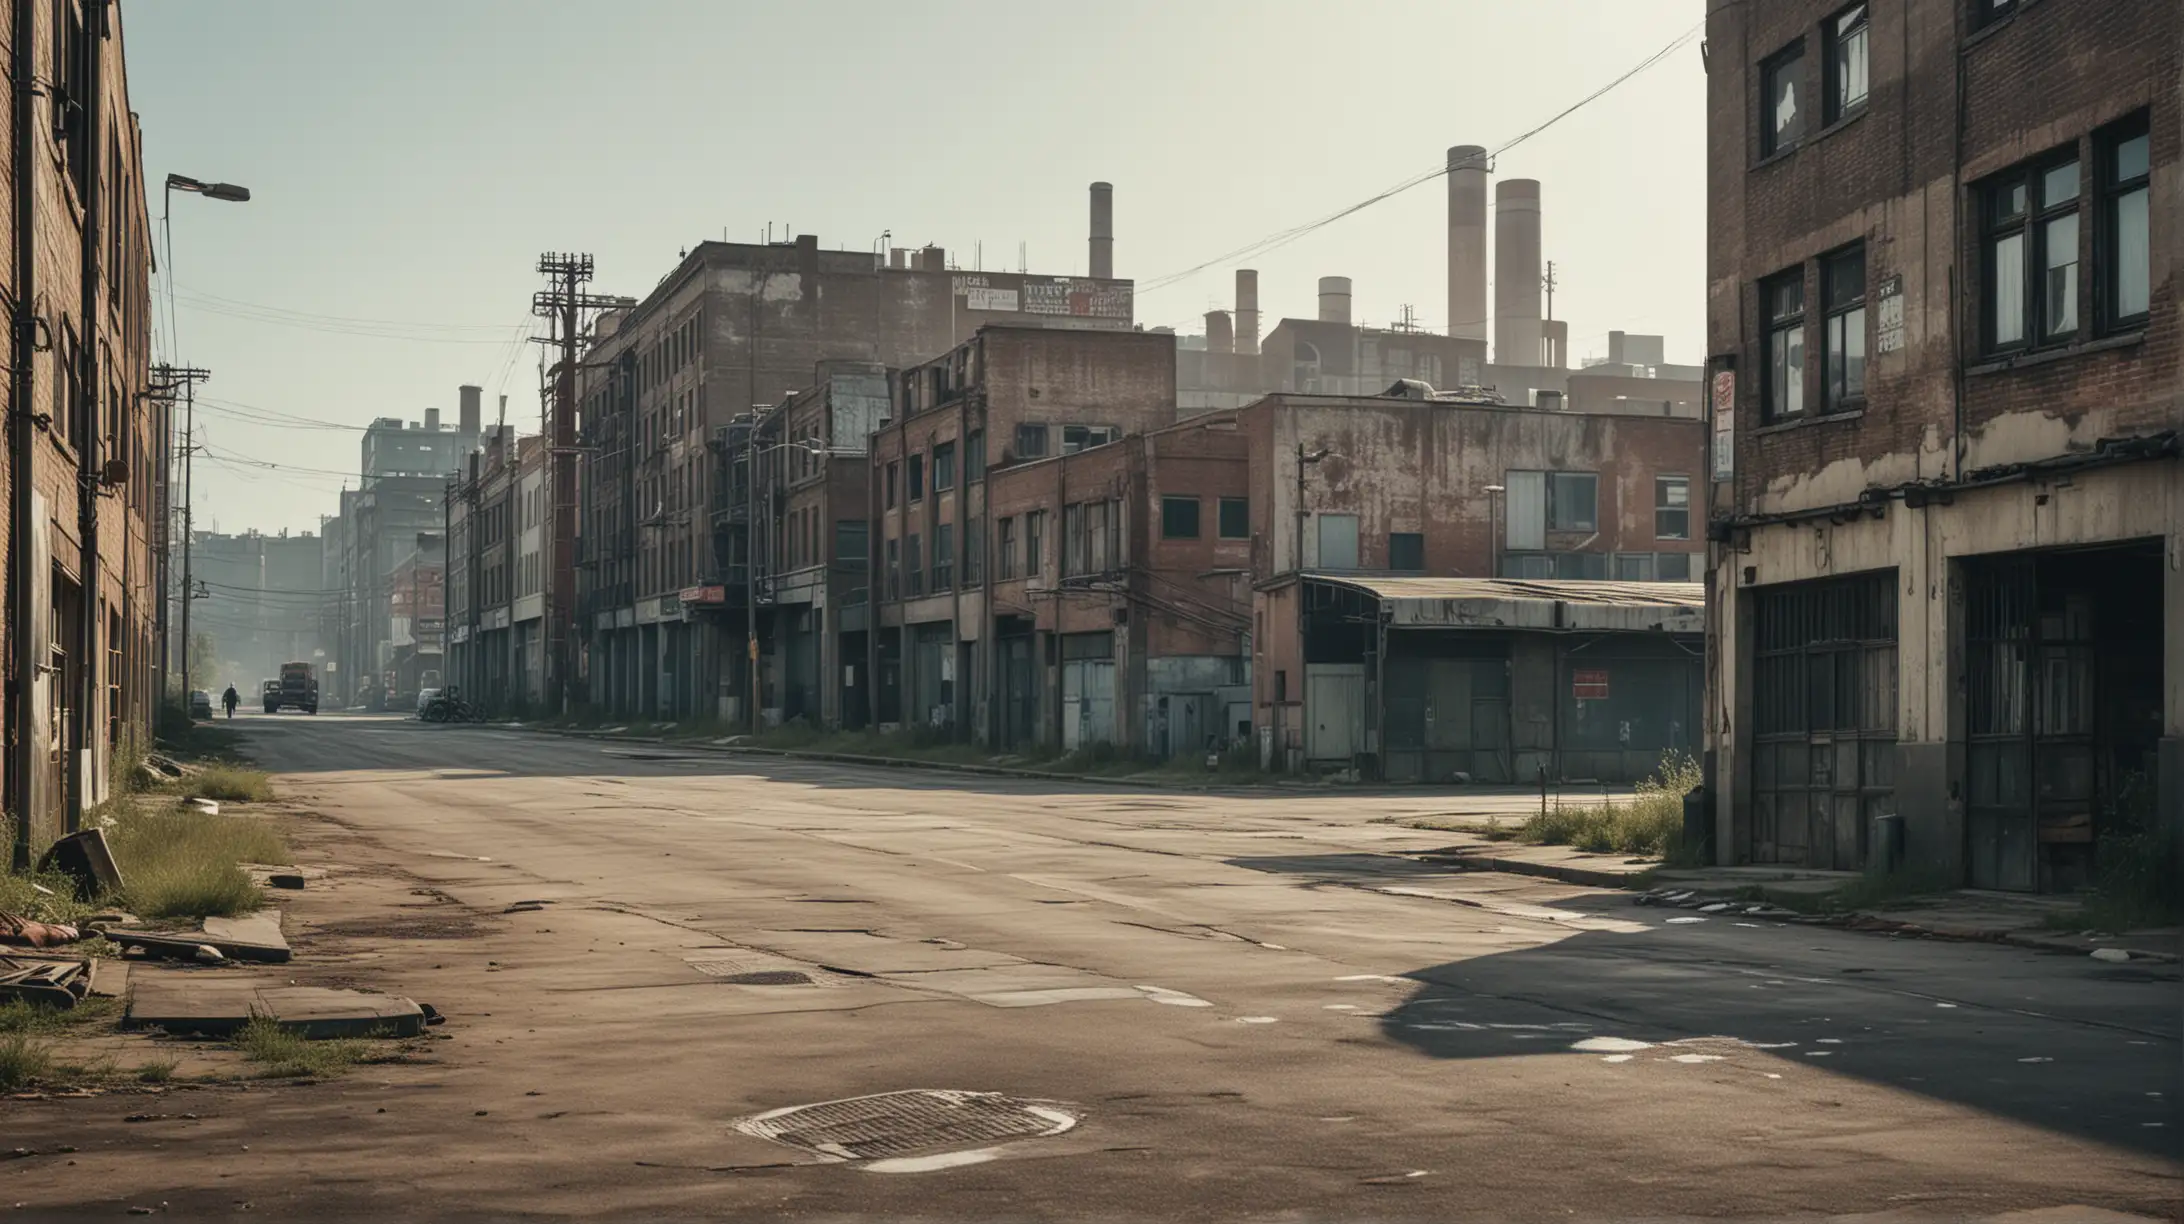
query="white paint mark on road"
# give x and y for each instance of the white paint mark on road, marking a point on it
(1685, 920)
(1063, 994)
(1173, 998)
(1947, 1005)
(1610, 1045)
(1772, 1075)
(1829, 1040)
(1375, 977)
(2111, 955)
(1617, 1057)
(1694, 1058)
(1338, 1007)
(1255, 1019)
(1818, 1053)
(2036, 1059)
(928, 1164)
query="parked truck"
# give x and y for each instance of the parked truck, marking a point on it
(298, 690)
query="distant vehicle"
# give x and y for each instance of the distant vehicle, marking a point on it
(424, 698)
(270, 691)
(298, 690)
(200, 704)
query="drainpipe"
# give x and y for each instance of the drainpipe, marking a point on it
(90, 695)
(20, 435)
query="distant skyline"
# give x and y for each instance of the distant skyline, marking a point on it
(410, 159)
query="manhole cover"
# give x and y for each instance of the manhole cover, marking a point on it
(907, 1123)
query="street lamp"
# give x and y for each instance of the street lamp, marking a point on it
(1493, 525)
(750, 559)
(232, 194)
(1304, 459)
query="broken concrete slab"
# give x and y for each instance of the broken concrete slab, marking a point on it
(254, 937)
(220, 1005)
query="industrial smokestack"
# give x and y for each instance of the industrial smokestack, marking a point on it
(432, 419)
(1103, 229)
(1247, 312)
(1516, 273)
(1467, 242)
(1219, 337)
(1334, 299)
(466, 417)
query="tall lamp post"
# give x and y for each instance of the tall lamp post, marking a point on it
(232, 194)
(750, 561)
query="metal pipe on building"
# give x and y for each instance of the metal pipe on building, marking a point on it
(23, 325)
(1334, 299)
(85, 721)
(1103, 230)
(1220, 338)
(1247, 312)
(1517, 330)
(1467, 174)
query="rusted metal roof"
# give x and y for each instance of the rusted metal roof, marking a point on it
(1523, 603)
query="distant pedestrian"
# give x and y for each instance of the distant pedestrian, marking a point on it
(230, 700)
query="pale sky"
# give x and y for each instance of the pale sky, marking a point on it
(410, 159)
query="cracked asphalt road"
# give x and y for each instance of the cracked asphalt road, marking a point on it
(1249, 1007)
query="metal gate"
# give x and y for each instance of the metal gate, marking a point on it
(2029, 721)
(1019, 692)
(1824, 698)
(1334, 706)
(1088, 703)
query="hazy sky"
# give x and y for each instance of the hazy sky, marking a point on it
(409, 159)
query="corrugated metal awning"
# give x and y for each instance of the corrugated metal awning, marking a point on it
(1519, 603)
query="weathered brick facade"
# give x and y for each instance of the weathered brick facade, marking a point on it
(81, 634)
(2007, 406)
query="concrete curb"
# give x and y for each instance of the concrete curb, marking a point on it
(852, 758)
(1568, 873)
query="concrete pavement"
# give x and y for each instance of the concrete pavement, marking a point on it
(1243, 1006)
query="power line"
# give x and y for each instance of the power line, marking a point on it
(199, 295)
(1282, 238)
(408, 334)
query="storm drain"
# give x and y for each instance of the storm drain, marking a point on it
(893, 1124)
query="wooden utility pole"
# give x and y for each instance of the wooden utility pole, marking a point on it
(562, 305)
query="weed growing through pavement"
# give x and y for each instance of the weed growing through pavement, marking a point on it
(285, 1054)
(25, 1059)
(157, 1071)
(184, 863)
(1650, 824)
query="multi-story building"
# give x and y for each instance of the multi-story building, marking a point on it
(398, 501)
(1008, 395)
(80, 494)
(496, 607)
(1947, 507)
(1446, 586)
(730, 332)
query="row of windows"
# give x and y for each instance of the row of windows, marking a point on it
(908, 475)
(2032, 244)
(1784, 83)
(1179, 515)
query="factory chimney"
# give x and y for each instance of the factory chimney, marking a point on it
(1334, 299)
(1247, 312)
(1219, 337)
(1467, 242)
(466, 417)
(1517, 328)
(1103, 230)
(432, 420)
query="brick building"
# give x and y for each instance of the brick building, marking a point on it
(496, 578)
(727, 334)
(1009, 395)
(1371, 513)
(1948, 511)
(82, 495)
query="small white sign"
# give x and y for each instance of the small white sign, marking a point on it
(989, 299)
(1888, 320)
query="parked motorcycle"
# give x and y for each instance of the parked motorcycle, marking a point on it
(448, 706)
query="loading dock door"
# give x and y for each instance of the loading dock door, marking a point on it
(1334, 711)
(1824, 704)
(1088, 703)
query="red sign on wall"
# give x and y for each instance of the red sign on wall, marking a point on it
(1589, 685)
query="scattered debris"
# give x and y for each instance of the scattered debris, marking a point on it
(210, 807)
(21, 932)
(85, 858)
(2112, 955)
(284, 880)
(256, 937)
(53, 983)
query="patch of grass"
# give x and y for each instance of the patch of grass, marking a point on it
(1650, 824)
(282, 1054)
(25, 1059)
(226, 783)
(17, 1016)
(183, 863)
(58, 903)
(2139, 878)
(157, 1071)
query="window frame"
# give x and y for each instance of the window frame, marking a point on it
(974, 456)
(1662, 483)
(1034, 542)
(1415, 542)
(1032, 429)
(1554, 482)
(944, 466)
(1170, 503)
(1833, 37)
(2110, 190)
(1789, 58)
(1838, 396)
(1775, 322)
(2030, 225)
(1005, 549)
(914, 478)
(1242, 505)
